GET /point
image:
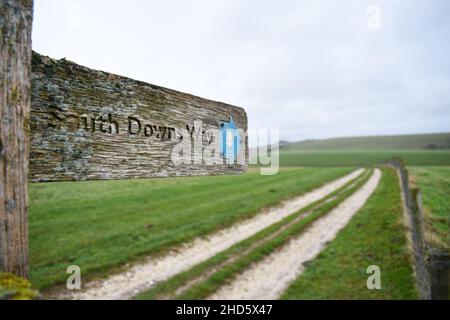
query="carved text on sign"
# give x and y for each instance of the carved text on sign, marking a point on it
(109, 124)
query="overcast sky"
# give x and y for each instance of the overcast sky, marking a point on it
(313, 69)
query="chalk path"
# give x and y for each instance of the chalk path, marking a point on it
(271, 276)
(144, 275)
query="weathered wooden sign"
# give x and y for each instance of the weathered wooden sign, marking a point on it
(89, 124)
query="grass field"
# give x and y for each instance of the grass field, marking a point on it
(434, 182)
(101, 225)
(416, 150)
(413, 141)
(369, 157)
(375, 236)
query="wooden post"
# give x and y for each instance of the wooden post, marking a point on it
(15, 86)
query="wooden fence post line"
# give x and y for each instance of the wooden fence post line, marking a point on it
(15, 87)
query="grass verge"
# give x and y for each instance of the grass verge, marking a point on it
(434, 183)
(376, 235)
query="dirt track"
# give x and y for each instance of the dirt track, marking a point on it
(142, 276)
(268, 278)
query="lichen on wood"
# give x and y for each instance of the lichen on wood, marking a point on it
(13, 287)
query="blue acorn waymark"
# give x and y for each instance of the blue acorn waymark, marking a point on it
(229, 140)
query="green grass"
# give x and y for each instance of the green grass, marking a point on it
(416, 150)
(414, 141)
(102, 225)
(367, 157)
(434, 183)
(374, 236)
(228, 272)
(225, 265)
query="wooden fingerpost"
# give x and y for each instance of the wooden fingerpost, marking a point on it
(15, 87)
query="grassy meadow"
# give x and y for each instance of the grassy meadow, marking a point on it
(434, 183)
(415, 150)
(101, 225)
(327, 158)
(432, 141)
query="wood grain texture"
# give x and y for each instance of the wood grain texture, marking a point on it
(15, 65)
(88, 124)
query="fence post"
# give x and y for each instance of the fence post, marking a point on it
(439, 269)
(15, 86)
(432, 265)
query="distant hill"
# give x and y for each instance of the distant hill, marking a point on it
(283, 143)
(413, 141)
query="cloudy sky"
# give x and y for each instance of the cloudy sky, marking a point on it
(313, 69)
